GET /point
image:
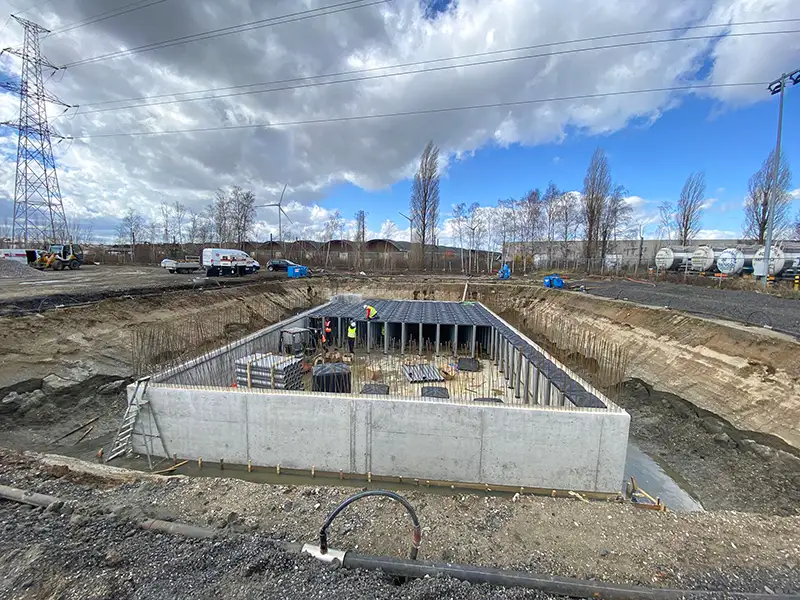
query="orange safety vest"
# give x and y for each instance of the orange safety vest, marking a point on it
(327, 326)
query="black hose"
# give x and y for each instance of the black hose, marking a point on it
(560, 586)
(416, 533)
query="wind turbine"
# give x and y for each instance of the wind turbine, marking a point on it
(280, 211)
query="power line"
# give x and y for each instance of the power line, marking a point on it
(34, 7)
(429, 111)
(310, 83)
(137, 5)
(215, 33)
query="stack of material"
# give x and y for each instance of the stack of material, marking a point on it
(377, 389)
(435, 392)
(331, 377)
(270, 372)
(421, 373)
(469, 364)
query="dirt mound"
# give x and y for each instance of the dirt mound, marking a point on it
(11, 269)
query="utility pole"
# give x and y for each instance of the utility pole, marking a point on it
(38, 209)
(776, 87)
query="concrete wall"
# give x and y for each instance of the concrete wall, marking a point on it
(567, 449)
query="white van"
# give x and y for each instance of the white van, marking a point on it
(224, 261)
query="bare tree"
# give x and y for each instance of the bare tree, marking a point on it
(550, 202)
(223, 217)
(332, 229)
(360, 237)
(616, 218)
(424, 203)
(529, 215)
(166, 222)
(459, 225)
(178, 216)
(130, 229)
(568, 216)
(690, 208)
(389, 229)
(192, 227)
(797, 226)
(666, 217)
(5, 232)
(596, 190)
(244, 214)
(475, 228)
(756, 206)
(205, 229)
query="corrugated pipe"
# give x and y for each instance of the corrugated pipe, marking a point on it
(399, 567)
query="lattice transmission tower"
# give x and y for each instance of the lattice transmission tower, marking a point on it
(38, 208)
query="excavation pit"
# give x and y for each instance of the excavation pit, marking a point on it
(511, 418)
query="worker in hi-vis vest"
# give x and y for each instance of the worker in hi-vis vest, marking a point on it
(371, 312)
(351, 336)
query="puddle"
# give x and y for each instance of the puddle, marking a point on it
(652, 478)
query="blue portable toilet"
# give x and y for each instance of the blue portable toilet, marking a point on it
(295, 271)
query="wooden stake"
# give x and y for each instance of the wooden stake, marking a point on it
(172, 468)
(85, 433)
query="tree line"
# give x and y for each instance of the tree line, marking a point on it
(228, 221)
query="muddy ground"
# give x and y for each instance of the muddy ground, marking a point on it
(601, 541)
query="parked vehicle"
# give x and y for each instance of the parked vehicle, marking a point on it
(20, 256)
(187, 265)
(57, 257)
(280, 264)
(224, 261)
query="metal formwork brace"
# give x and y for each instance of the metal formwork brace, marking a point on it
(455, 340)
(474, 339)
(386, 337)
(490, 341)
(419, 340)
(340, 337)
(402, 338)
(527, 388)
(369, 336)
(535, 390)
(518, 374)
(501, 353)
(438, 336)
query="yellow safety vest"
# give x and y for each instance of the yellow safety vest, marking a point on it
(371, 312)
(351, 333)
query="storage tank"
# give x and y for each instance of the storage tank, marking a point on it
(732, 261)
(671, 259)
(703, 259)
(779, 260)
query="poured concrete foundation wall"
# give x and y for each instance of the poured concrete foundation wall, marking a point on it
(565, 449)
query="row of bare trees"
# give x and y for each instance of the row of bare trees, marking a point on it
(228, 220)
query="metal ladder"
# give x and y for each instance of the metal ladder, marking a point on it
(122, 441)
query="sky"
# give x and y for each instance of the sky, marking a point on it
(345, 161)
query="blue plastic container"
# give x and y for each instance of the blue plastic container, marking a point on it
(295, 271)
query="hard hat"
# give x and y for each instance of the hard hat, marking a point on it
(365, 306)
(352, 323)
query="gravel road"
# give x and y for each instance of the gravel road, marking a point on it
(92, 548)
(736, 305)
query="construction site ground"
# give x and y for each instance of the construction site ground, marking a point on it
(715, 404)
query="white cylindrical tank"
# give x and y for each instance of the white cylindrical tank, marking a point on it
(703, 259)
(730, 261)
(779, 260)
(669, 259)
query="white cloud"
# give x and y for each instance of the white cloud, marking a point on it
(708, 203)
(795, 194)
(716, 234)
(101, 177)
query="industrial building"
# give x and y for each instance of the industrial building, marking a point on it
(445, 393)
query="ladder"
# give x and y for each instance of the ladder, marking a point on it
(122, 441)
